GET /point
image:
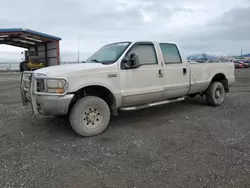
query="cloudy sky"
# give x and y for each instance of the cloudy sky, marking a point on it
(214, 26)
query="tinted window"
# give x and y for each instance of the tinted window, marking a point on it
(146, 53)
(170, 53)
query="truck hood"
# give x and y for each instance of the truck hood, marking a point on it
(64, 70)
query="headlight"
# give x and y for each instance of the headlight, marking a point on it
(55, 86)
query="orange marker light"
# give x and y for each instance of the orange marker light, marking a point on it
(60, 90)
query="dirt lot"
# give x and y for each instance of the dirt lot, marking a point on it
(179, 145)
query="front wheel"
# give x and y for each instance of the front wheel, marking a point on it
(90, 116)
(215, 94)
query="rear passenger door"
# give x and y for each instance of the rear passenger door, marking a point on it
(176, 72)
(145, 83)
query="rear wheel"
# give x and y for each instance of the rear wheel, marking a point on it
(90, 116)
(215, 94)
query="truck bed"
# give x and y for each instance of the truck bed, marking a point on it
(201, 74)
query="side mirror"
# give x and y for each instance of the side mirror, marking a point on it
(130, 62)
(134, 58)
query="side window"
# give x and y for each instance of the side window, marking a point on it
(146, 53)
(170, 53)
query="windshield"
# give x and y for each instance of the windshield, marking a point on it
(109, 53)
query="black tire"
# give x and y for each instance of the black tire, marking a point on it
(90, 116)
(215, 94)
(192, 95)
(21, 67)
(25, 67)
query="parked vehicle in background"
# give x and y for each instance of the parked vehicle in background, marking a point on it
(238, 65)
(247, 63)
(192, 61)
(31, 61)
(123, 76)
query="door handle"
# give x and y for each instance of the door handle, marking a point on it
(184, 71)
(160, 73)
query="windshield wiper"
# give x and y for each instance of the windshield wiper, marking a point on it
(95, 60)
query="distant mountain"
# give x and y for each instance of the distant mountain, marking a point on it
(243, 56)
(246, 55)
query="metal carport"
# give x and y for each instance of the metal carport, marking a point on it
(45, 46)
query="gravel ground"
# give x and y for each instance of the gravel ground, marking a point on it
(186, 144)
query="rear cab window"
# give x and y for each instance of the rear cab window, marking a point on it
(170, 53)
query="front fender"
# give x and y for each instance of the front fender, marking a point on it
(112, 84)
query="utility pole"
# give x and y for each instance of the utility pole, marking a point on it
(241, 53)
(78, 48)
(203, 56)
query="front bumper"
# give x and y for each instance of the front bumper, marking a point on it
(53, 105)
(42, 102)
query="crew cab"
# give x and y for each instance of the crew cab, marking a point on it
(122, 76)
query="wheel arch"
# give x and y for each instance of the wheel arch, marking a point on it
(220, 77)
(96, 90)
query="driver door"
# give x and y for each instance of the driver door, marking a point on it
(143, 84)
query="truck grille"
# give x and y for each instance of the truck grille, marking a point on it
(40, 85)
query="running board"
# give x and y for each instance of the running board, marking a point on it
(151, 104)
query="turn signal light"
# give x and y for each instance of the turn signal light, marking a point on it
(60, 90)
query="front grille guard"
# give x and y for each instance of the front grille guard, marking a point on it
(29, 91)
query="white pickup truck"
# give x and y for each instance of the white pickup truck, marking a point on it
(122, 76)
